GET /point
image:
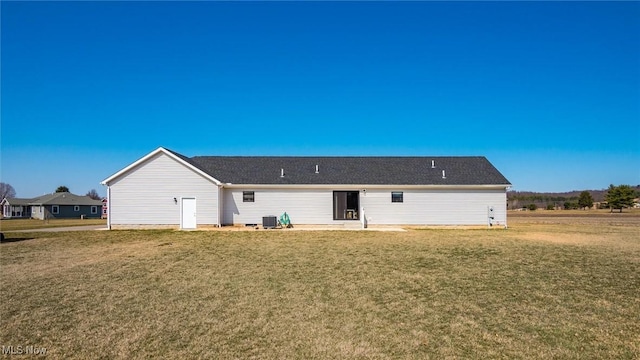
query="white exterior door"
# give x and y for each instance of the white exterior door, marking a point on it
(188, 213)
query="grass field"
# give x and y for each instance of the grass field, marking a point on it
(28, 224)
(547, 287)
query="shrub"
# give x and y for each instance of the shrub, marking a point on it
(570, 205)
(532, 207)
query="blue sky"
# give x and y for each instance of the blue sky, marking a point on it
(549, 92)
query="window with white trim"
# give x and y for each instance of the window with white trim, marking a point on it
(76, 208)
(55, 209)
(397, 196)
(94, 209)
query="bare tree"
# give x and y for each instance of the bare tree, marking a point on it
(94, 194)
(6, 191)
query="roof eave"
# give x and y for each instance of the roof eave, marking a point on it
(365, 186)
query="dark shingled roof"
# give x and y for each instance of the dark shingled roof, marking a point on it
(467, 170)
(59, 198)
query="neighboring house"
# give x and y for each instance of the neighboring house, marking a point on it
(62, 205)
(16, 208)
(166, 189)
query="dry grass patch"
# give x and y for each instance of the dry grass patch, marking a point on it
(516, 293)
(34, 224)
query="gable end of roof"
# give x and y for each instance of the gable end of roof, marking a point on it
(172, 154)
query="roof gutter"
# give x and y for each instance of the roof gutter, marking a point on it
(363, 186)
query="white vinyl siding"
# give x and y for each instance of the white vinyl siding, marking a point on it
(37, 212)
(419, 207)
(435, 207)
(303, 206)
(145, 195)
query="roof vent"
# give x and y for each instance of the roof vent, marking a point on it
(433, 164)
(443, 175)
(281, 172)
(317, 169)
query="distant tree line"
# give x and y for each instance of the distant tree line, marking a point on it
(615, 197)
(533, 201)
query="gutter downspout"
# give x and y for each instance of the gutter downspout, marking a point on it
(363, 216)
(220, 200)
(109, 207)
(506, 212)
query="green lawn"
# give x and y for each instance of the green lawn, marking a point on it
(537, 290)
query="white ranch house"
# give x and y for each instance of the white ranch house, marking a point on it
(166, 189)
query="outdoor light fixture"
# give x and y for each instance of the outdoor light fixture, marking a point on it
(175, 201)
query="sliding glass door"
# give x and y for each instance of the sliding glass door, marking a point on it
(346, 205)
